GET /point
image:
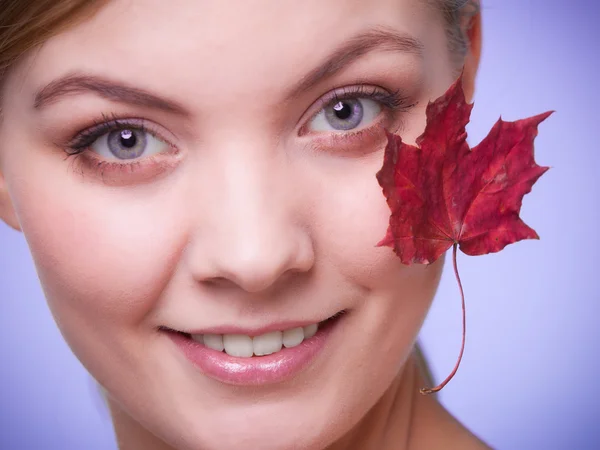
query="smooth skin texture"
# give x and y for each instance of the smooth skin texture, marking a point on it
(250, 212)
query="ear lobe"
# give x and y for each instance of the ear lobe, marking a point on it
(7, 210)
(472, 31)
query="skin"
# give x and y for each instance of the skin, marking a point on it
(259, 218)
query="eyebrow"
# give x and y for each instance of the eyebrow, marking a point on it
(379, 38)
(77, 83)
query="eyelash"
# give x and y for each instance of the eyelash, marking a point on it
(84, 139)
(395, 102)
(79, 145)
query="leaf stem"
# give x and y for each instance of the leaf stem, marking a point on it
(426, 391)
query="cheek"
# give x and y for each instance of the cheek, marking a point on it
(103, 256)
(352, 217)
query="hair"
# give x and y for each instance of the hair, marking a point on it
(457, 15)
(24, 25)
(27, 24)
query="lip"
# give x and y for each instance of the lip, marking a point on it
(257, 370)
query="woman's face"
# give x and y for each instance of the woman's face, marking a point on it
(225, 185)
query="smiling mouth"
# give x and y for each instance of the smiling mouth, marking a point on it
(245, 346)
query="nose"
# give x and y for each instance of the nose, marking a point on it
(249, 233)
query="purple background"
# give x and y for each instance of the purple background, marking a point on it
(529, 375)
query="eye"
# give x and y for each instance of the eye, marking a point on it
(127, 143)
(344, 115)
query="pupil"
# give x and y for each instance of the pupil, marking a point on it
(342, 110)
(128, 139)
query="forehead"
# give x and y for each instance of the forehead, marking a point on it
(213, 43)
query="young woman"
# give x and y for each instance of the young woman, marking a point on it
(196, 182)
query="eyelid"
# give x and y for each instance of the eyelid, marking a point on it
(84, 138)
(351, 91)
(142, 169)
(395, 101)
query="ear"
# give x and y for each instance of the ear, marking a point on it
(471, 28)
(7, 211)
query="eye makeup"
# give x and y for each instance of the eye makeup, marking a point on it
(81, 146)
(395, 101)
(360, 139)
(116, 170)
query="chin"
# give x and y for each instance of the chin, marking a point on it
(280, 429)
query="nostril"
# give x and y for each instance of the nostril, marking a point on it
(218, 282)
(255, 278)
(254, 257)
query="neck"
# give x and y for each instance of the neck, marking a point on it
(402, 419)
(389, 424)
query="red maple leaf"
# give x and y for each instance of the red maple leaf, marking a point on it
(444, 194)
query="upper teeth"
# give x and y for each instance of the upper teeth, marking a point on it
(244, 346)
